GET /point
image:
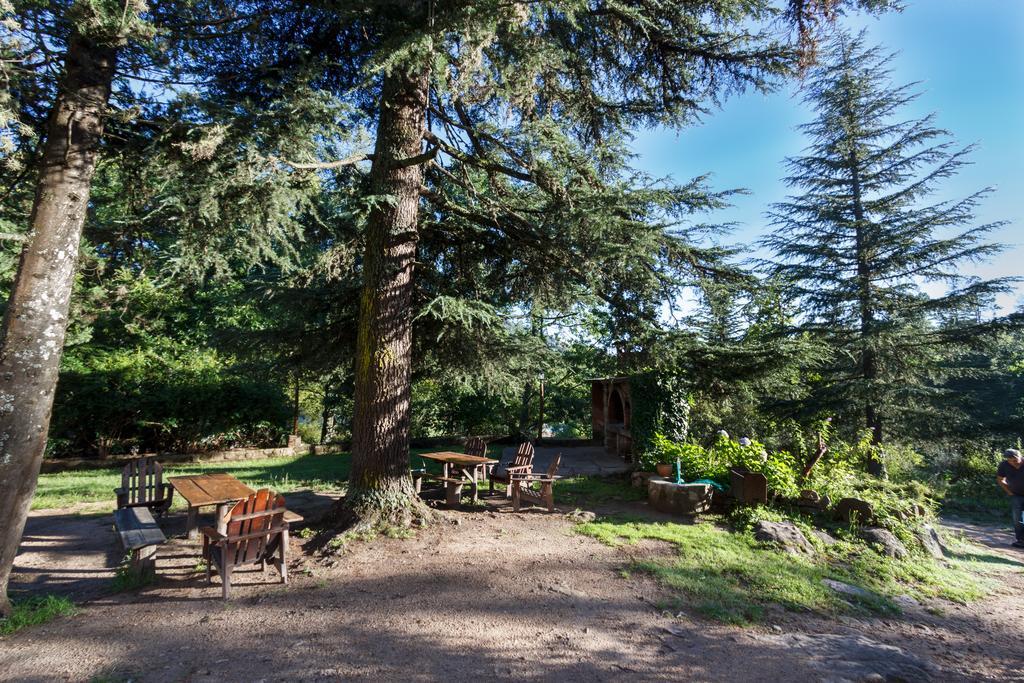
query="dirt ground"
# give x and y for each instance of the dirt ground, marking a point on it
(499, 595)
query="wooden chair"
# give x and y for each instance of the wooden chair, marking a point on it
(522, 463)
(523, 487)
(475, 446)
(142, 485)
(256, 531)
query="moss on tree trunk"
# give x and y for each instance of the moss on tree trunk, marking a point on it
(380, 489)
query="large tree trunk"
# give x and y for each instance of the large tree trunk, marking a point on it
(380, 488)
(32, 337)
(325, 415)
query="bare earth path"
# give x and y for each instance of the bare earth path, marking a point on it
(500, 595)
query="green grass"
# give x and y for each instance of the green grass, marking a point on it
(64, 489)
(35, 611)
(733, 578)
(320, 472)
(577, 490)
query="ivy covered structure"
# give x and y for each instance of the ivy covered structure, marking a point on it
(627, 412)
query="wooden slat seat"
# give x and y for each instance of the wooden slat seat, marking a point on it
(142, 485)
(140, 535)
(256, 532)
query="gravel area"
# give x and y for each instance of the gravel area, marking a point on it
(489, 594)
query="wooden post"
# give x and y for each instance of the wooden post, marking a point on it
(191, 522)
(143, 565)
(453, 494)
(295, 408)
(540, 423)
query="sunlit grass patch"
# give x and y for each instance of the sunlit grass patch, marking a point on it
(732, 578)
(327, 472)
(729, 577)
(35, 611)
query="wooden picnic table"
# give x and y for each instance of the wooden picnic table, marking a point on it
(203, 490)
(468, 467)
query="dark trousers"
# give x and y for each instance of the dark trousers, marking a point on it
(1017, 505)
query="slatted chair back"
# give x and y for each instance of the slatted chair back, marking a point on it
(524, 455)
(142, 482)
(253, 527)
(476, 446)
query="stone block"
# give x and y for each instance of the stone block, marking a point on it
(680, 499)
(850, 509)
(639, 479)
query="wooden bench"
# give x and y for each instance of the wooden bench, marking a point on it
(452, 487)
(140, 535)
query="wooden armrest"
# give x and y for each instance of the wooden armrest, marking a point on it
(119, 490)
(516, 468)
(213, 534)
(257, 515)
(292, 517)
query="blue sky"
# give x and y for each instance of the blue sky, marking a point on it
(969, 58)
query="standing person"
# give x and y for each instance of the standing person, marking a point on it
(1010, 476)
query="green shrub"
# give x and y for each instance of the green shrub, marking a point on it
(158, 400)
(902, 463)
(661, 406)
(309, 432)
(697, 462)
(964, 479)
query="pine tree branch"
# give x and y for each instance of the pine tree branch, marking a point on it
(324, 165)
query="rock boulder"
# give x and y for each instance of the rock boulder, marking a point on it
(850, 509)
(886, 541)
(786, 535)
(931, 541)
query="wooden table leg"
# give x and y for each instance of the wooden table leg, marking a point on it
(222, 518)
(190, 522)
(476, 497)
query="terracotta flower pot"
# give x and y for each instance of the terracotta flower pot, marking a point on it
(663, 469)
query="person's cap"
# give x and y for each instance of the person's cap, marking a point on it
(1011, 453)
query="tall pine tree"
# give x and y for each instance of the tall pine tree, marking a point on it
(861, 244)
(502, 126)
